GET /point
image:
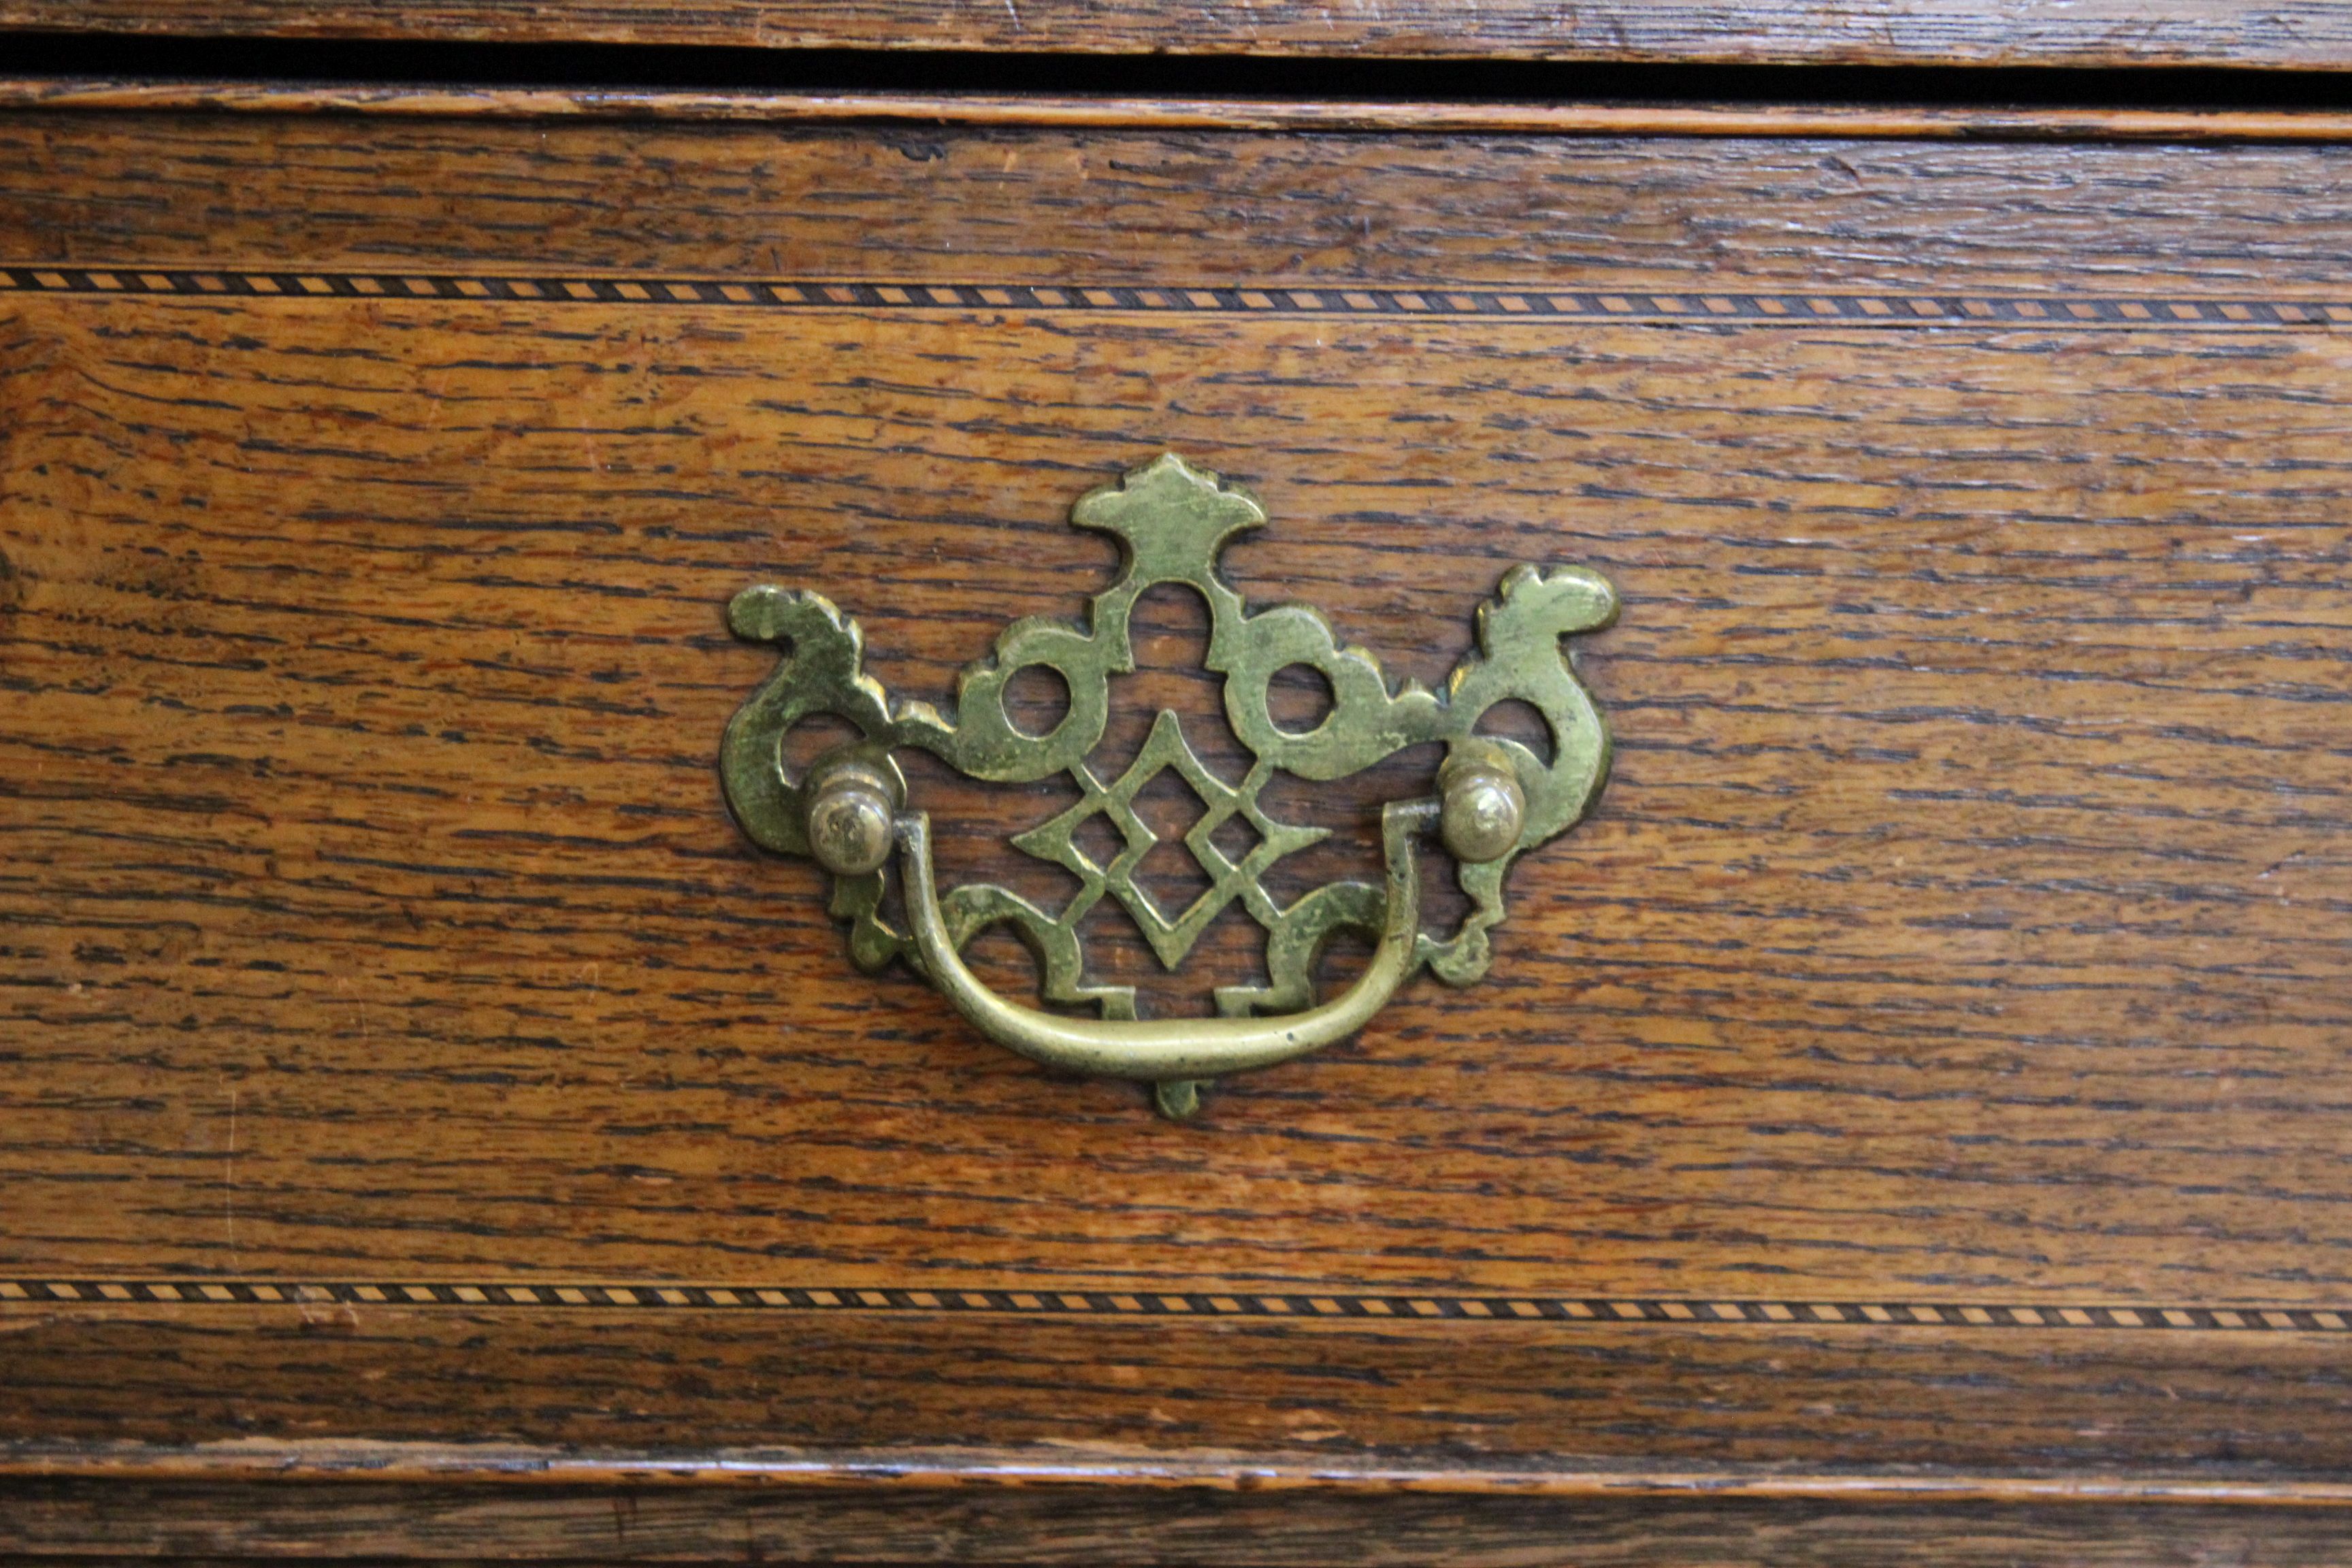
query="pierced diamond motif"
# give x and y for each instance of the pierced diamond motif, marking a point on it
(1170, 874)
(1171, 933)
(1099, 840)
(1234, 841)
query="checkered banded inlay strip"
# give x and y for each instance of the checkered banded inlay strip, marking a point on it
(1598, 1310)
(1524, 303)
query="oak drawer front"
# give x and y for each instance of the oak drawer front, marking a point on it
(1929, 1049)
(2231, 33)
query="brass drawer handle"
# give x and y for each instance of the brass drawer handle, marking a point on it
(1495, 798)
(1172, 1051)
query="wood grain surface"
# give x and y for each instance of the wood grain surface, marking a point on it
(2307, 34)
(983, 204)
(1901, 909)
(1963, 923)
(2049, 1415)
(312, 1522)
(1224, 112)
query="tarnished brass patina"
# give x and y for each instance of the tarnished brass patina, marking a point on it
(850, 812)
(1495, 797)
(1482, 810)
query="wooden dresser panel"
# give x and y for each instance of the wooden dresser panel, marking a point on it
(1930, 1059)
(2307, 35)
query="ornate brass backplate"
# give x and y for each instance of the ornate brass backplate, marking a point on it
(1494, 797)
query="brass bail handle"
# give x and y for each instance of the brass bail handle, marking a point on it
(1495, 799)
(853, 819)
